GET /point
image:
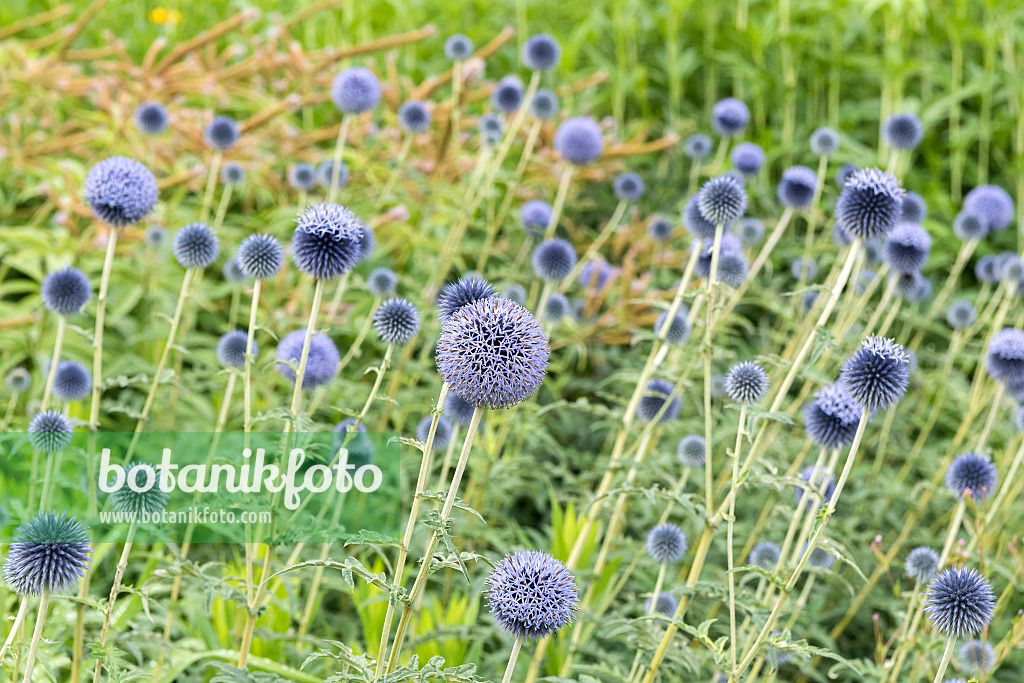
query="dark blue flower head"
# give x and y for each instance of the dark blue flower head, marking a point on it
(907, 248)
(922, 564)
(628, 186)
(458, 48)
(976, 658)
(507, 95)
(678, 330)
(221, 133)
(491, 130)
(843, 174)
(72, 381)
(414, 116)
(666, 604)
(18, 380)
(579, 140)
(821, 558)
(493, 353)
(992, 204)
(360, 447)
(747, 158)
(960, 602)
(655, 398)
(553, 259)
(832, 417)
(1011, 269)
(120, 191)
(382, 282)
(824, 142)
(325, 174)
(797, 186)
(396, 321)
(442, 433)
(321, 364)
(969, 226)
(49, 431)
(730, 244)
(544, 104)
(729, 117)
(804, 269)
(196, 246)
(232, 174)
(987, 269)
(732, 268)
(694, 221)
(65, 291)
(659, 228)
(903, 131)
(155, 236)
(50, 553)
(697, 146)
(355, 90)
(821, 481)
(367, 243)
(1005, 356)
(974, 472)
(534, 216)
(231, 349)
(666, 543)
(915, 210)
(260, 256)
(458, 410)
(750, 231)
(232, 271)
(531, 595)
(808, 301)
(596, 275)
(746, 382)
(691, 450)
(912, 287)
(556, 307)
(765, 555)
(876, 374)
(465, 291)
(151, 118)
(541, 52)
(140, 493)
(870, 203)
(302, 176)
(961, 314)
(722, 200)
(327, 241)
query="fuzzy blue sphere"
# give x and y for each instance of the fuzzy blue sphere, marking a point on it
(534, 217)
(232, 271)
(458, 48)
(155, 236)
(969, 226)
(804, 269)
(974, 472)
(596, 275)
(260, 256)
(821, 558)
(232, 174)
(655, 399)
(843, 173)
(832, 417)
(746, 382)
(325, 174)
(992, 204)
(678, 330)
(18, 380)
(698, 146)
(359, 446)
(151, 118)
(961, 314)
(65, 291)
(903, 131)
(321, 364)
(531, 595)
(148, 500)
(382, 283)
(915, 210)
(120, 191)
(72, 381)
(458, 410)
(666, 543)
(396, 321)
(821, 481)
(507, 95)
(976, 658)
(692, 450)
(579, 140)
(729, 117)
(913, 287)
(1005, 357)
(986, 269)
(544, 104)
(327, 242)
(541, 52)
(367, 243)
(355, 90)
(765, 555)
(797, 186)
(553, 259)
(733, 268)
(490, 123)
(666, 604)
(442, 434)
(959, 602)
(50, 553)
(659, 229)
(750, 231)
(414, 116)
(49, 431)
(824, 142)
(231, 348)
(747, 158)
(876, 375)
(221, 133)
(907, 249)
(722, 200)
(302, 176)
(870, 204)
(556, 307)
(730, 244)
(461, 293)
(922, 564)
(808, 301)
(196, 246)
(628, 187)
(694, 221)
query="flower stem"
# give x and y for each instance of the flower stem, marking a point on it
(403, 152)
(58, 343)
(339, 149)
(511, 668)
(37, 635)
(556, 209)
(211, 182)
(947, 654)
(300, 374)
(122, 564)
(251, 333)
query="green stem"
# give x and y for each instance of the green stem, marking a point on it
(37, 635)
(211, 182)
(58, 344)
(339, 148)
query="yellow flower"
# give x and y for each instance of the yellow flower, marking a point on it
(161, 15)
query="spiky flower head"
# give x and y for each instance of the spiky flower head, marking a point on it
(18, 380)
(655, 398)
(992, 204)
(507, 95)
(797, 187)
(961, 314)
(49, 431)
(922, 564)
(729, 117)
(458, 48)
(327, 241)
(151, 118)
(976, 658)
(493, 353)
(907, 248)
(544, 104)
(232, 174)
(628, 186)
(694, 221)
(903, 131)
(442, 433)
(692, 450)
(596, 275)
(746, 382)
(72, 381)
(666, 543)
(666, 604)
(355, 90)
(396, 321)
(843, 174)
(382, 283)
(553, 259)
(678, 330)
(260, 256)
(461, 293)
(959, 602)
(65, 291)
(140, 493)
(870, 203)
(360, 447)
(987, 269)
(698, 146)
(974, 472)
(722, 200)
(322, 363)
(50, 553)
(120, 191)
(325, 174)
(969, 226)
(541, 52)
(232, 271)
(747, 158)
(196, 246)
(532, 595)
(659, 228)
(730, 244)
(750, 231)
(231, 348)
(824, 142)
(302, 176)
(821, 558)
(534, 217)
(221, 133)
(1005, 357)
(414, 116)
(915, 210)
(458, 409)
(733, 268)
(579, 140)
(876, 374)
(832, 417)
(556, 307)
(765, 555)
(821, 481)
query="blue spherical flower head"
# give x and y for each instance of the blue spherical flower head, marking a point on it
(596, 275)
(260, 256)
(359, 446)
(442, 434)
(465, 291)
(458, 410)
(666, 604)
(797, 186)
(325, 174)
(915, 210)
(831, 419)
(232, 174)
(961, 314)
(843, 174)
(666, 543)
(750, 231)
(65, 291)
(912, 287)
(302, 176)
(732, 268)
(72, 381)
(541, 52)
(414, 116)
(556, 307)
(808, 301)
(922, 564)
(992, 204)
(355, 90)
(327, 241)
(531, 595)
(231, 349)
(870, 204)
(579, 140)
(697, 146)
(155, 236)
(694, 221)
(730, 244)
(18, 380)
(493, 353)
(907, 248)
(544, 104)
(367, 243)
(553, 259)
(691, 450)
(382, 283)
(628, 187)
(322, 362)
(876, 374)
(140, 493)
(747, 158)
(659, 229)
(120, 191)
(903, 131)
(534, 217)
(151, 118)
(969, 226)
(458, 48)
(232, 271)
(729, 117)
(821, 558)
(655, 398)
(49, 431)
(824, 142)
(221, 133)
(1005, 358)
(746, 382)
(821, 481)
(804, 269)
(976, 658)
(972, 472)
(722, 200)
(196, 246)
(396, 321)
(490, 123)
(507, 95)
(765, 555)
(678, 330)
(50, 553)
(959, 602)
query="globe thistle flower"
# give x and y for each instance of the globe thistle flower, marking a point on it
(870, 203)
(260, 256)
(976, 658)
(120, 191)
(876, 375)
(359, 446)
(327, 241)
(816, 478)
(692, 450)
(730, 244)
(155, 236)
(232, 271)
(907, 248)
(442, 433)
(72, 381)
(765, 555)
(656, 396)
(666, 543)
(678, 330)
(195, 246)
(50, 553)
(750, 231)
(628, 187)
(1005, 357)
(531, 595)
(355, 90)
(596, 275)
(959, 602)
(65, 291)
(553, 259)
(697, 146)
(534, 217)
(694, 221)
(541, 52)
(151, 118)
(922, 564)
(832, 417)
(992, 204)
(821, 558)
(579, 140)
(1011, 269)
(458, 48)
(808, 301)
(666, 604)
(659, 229)
(458, 410)
(544, 104)
(325, 174)
(507, 95)
(232, 174)
(915, 210)
(986, 269)
(824, 142)
(972, 472)
(556, 307)
(367, 243)
(382, 283)
(843, 174)
(17, 380)
(747, 158)
(465, 291)
(493, 353)
(489, 123)
(414, 117)
(221, 133)
(722, 200)
(49, 431)
(515, 292)
(302, 176)
(746, 382)
(797, 186)
(969, 226)
(804, 269)
(903, 131)
(150, 499)
(729, 117)
(732, 268)
(396, 321)
(321, 364)
(231, 349)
